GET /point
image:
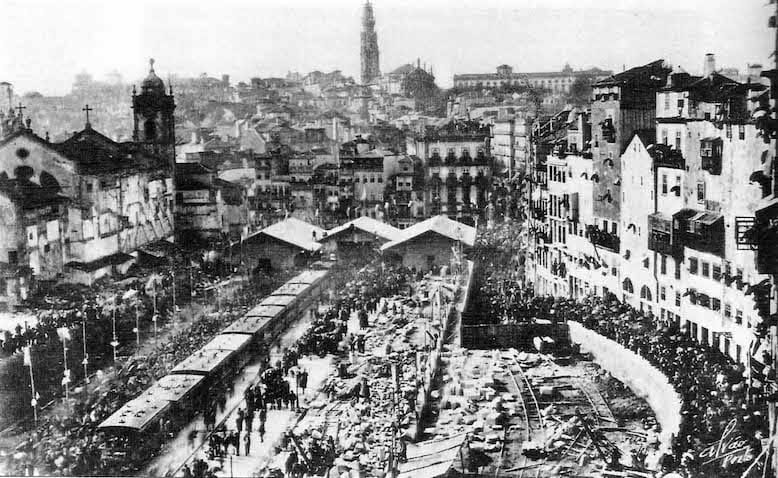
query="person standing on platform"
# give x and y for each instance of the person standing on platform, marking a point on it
(239, 420)
(248, 396)
(302, 380)
(247, 443)
(259, 399)
(261, 431)
(249, 419)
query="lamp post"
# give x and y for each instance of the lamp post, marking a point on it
(191, 281)
(34, 400)
(155, 315)
(114, 342)
(137, 326)
(218, 298)
(64, 336)
(173, 276)
(85, 361)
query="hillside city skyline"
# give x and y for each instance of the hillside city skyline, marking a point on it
(292, 37)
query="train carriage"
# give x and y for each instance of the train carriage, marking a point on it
(300, 299)
(239, 344)
(275, 316)
(184, 392)
(289, 303)
(253, 326)
(135, 431)
(314, 279)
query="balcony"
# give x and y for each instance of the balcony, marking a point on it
(661, 243)
(481, 158)
(699, 230)
(666, 157)
(660, 235)
(559, 269)
(710, 152)
(763, 236)
(603, 239)
(608, 131)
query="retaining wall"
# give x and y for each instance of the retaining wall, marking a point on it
(505, 336)
(432, 368)
(638, 374)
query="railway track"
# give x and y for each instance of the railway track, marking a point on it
(533, 418)
(600, 409)
(528, 396)
(332, 419)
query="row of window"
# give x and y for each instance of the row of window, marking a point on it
(372, 179)
(452, 151)
(714, 271)
(676, 189)
(557, 174)
(697, 299)
(549, 82)
(741, 134)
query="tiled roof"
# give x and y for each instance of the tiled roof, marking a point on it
(651, 73)
(441, 225)
(96, 153)
(295, 232)
(369, 225)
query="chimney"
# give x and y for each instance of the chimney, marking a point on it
(710, 64)
(754, 72)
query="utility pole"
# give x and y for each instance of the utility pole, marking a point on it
(114, 342)
(84, 362)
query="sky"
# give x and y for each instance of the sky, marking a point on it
(45, 43)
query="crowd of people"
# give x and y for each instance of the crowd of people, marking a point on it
(503, 295)
(66, 441)
(713, 387)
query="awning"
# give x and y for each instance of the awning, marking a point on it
(111, 260)
(707, 218)
(660, 221)
(160, 249)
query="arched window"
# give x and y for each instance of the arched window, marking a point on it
(645, 293)
(50, 183)
(627, 286)
(150, 129)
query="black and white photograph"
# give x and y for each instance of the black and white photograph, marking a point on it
(389, 238)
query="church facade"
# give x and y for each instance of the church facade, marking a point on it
(81, 209)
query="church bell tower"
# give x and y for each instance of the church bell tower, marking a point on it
(154, 122)
(370, 70)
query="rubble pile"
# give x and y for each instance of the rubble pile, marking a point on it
(380, 387)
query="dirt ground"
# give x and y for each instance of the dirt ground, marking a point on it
(512, 403)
